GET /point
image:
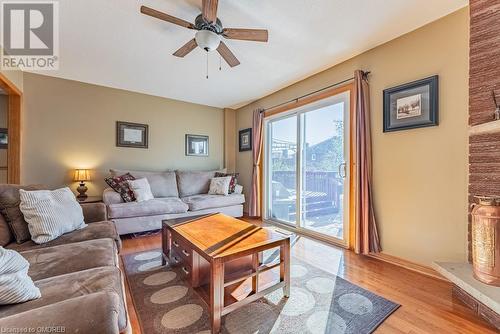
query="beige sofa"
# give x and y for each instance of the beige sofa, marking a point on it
(177, 194)
(79, 278)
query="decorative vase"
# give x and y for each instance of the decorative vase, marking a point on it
(485, 240)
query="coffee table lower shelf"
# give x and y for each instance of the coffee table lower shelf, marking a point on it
(238, 291)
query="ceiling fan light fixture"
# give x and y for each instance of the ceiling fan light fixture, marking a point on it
(207, 40)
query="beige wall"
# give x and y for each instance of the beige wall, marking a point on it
(420, 175)
(68, 124)
(14, 76)
(230, 140)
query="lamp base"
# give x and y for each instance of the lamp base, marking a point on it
(82, 189)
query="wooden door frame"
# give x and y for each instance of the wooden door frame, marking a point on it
(349, 243)
(13, 129)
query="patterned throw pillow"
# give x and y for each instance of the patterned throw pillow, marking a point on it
(220, 185)
(234, 180)
(120, 185)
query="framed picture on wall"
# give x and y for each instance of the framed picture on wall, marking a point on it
(4, 138)
(245, 140)
(412, 105)
(197, 145)
(132, 135)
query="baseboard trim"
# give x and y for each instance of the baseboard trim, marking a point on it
(428, 271)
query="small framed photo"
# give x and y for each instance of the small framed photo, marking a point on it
(412, 105)
(4, 138)
(245, 140)
(132, 135)
(197, 145)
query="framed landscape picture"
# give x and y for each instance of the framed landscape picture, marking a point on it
(197, 145)
(132, 135)
(245, 140)
(412, 105)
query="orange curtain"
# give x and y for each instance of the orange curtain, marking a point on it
(366, 238)
(254, 209)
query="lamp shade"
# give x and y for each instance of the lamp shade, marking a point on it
(82, 175)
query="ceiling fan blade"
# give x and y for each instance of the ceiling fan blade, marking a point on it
(165, 17)
(186, 48)
(209, 10)
(258, 35)
(228, 56)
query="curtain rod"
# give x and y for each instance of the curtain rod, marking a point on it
(365, 74)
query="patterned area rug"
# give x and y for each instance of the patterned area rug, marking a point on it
(319, 303)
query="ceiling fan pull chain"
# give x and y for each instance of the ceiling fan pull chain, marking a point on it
(207, 64)
(220, 63)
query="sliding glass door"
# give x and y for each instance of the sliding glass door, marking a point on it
(307, 168)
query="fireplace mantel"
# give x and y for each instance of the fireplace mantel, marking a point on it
(489, 127)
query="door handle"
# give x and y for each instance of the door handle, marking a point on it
(342, 167)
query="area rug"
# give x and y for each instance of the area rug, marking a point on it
(319, 303)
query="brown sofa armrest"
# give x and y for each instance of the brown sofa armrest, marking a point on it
(89, 314)
(94, 212)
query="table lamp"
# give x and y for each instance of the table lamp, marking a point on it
(82, 175)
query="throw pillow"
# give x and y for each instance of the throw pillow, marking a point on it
(9, 207)
(15, 284)
(234, 180)
(6, 236)
(141, 189)
(51, 213)
(120, 185)
(220, 185)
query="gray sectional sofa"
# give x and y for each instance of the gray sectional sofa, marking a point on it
(177, 194)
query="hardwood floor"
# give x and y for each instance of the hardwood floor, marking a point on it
(427, 305)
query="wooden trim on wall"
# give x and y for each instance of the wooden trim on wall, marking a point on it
(14, 130)
(14, 146)
(425, 270)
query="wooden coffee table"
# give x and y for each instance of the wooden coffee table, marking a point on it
(219, 254)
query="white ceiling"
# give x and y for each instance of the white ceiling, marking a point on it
(110, 43)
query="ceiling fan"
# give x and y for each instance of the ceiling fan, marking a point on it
(210, 30)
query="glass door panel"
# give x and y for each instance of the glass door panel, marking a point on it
(282, 169)
(324, 135)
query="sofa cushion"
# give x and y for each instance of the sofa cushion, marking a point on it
(194, 182)
(141, 189)
(109, 196)
(163, 184)
(96, 313)
(6, 236)
(51, 213)
(70, 258)
(205, 201)
(98, 230)
(9, 206)
(157, 206)
(60, 288)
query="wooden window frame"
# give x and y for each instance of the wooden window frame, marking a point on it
(308, 100)
(15, 98)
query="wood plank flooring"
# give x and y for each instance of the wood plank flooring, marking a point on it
(427, 303)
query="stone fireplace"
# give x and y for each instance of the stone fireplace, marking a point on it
(484, 149)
